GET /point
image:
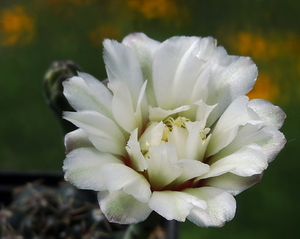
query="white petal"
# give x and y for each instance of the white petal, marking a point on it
(144, 48)
(95, 123)
(236, 115)
(88, 93)
(100, 90)
(199, 111)
(101, 130)
(141, 111)
(220, 207)
(118, 176)
(269, 138)
(271, 114)
(201, 90)
(248, 134)
(106, 145)
(195, 144)
(119, 207)
(178, 138)
(274, 145)
(190, 169)
(122, 106)
(82, 168)
(137, 160)
(77, 139)
(247, 161)
(230, 77)
(174, 205)
(122, 66)
(152, 135)
(175, 67)
(158, 114)
(162, 169)
(207, 54)
(203, 111)
(232, 183)
(207, 47)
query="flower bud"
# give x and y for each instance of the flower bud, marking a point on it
(58, 72)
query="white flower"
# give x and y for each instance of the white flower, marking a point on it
(173, 133)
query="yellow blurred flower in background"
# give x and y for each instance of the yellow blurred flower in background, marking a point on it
(270, 49)
(256, 46)
(16, 26)
(264, 88)
(77, 2)
(151, 9)
(265, 46)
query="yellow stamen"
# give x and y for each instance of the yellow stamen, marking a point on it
(165, 134)
(170, 122)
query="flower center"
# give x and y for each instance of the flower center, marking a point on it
(168, 148)
(170, 122)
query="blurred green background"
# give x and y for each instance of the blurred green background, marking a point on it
(34, 33)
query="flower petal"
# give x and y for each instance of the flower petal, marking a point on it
(199, 111)
(141, 111)
(128, 114)
(247, 134)
(206, 52)
(203, 111)
(102, 131)
(179, 71)
(87, 93)
(274, 145)
(230, 77)
(119, 207)
(159, 114)
(236, 115)
(118, 176)
(178, 138)
(144, 48)
(162, 157)
(122, 66)
(269, 138)
(271, 114)
(137, 160)
(174, 205)
(152, 135)
(232, 183)
(220, 207)
(247, 161)
(77, 139)
(197, 141)
(190, 169)
(82, 168)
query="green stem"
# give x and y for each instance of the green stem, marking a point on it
(143, 229)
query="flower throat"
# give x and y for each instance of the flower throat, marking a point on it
(170, 122)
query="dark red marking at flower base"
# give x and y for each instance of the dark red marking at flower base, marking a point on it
(127, 161)
(200, 183)
(206, 160)
(187, 184)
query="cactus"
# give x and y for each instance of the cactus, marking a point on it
(42, 212)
